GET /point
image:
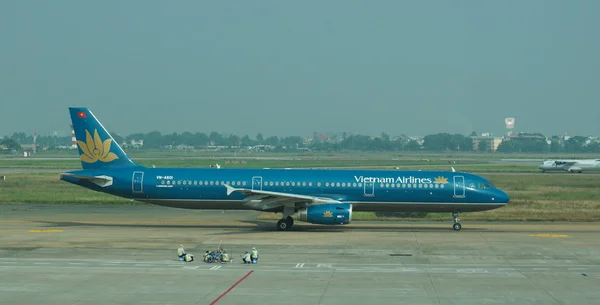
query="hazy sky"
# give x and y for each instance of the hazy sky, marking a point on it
(294, 67)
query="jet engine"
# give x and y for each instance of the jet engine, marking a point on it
(327, 214)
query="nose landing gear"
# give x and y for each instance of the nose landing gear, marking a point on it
(456, 225)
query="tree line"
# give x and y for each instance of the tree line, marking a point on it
(439, 142)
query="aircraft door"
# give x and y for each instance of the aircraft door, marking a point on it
(257, 183)
(137, 185)
(459, 187)
(369, 188)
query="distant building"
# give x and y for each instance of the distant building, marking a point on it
(523, 136)
(493, 142)
(29, 147)
(133, 143)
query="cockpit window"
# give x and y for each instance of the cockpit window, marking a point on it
(486, 185)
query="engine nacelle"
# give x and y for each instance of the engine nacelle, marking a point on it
(327, 214)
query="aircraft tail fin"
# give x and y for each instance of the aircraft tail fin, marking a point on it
(97, 148)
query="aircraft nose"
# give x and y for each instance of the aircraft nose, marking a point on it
(500, 196)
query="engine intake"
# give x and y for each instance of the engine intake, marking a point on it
(327, 214)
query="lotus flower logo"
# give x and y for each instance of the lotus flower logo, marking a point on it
(95, 150)
(327, 214)
(440, 180)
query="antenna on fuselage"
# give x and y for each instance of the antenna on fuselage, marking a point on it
(453, 170)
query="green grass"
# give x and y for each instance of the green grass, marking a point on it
(538, 196)
(465, 165)
(146, 153)
(473, 162)
(547, 197)
(46, 188)
(188, 162)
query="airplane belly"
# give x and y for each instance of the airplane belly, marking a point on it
(199, 204)
(422, 207)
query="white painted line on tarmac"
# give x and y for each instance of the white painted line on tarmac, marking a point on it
(453, 265)
(299, 265)
(191, 267)
(216, 268)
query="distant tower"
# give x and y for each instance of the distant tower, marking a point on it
(73, 140)
(34, 138)
(510, 124)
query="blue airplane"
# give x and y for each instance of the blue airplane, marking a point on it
(316, 196)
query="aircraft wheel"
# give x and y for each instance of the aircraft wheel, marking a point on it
(282, 225)
(290, 221)
(457, 226)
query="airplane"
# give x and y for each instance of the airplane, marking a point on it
(570, 166)
(317, 196)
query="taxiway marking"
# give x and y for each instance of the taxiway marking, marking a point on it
(231, 288)
(45, 231)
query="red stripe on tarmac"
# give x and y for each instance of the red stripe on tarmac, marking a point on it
(230, 288)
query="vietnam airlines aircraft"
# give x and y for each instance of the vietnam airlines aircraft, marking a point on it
(325, 197)
(570, 166)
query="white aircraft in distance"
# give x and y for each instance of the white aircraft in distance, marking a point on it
(571, 166)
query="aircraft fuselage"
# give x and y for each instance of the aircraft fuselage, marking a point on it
(391, 191)
(316, 195)
(571, 166)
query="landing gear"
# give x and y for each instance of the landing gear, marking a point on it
(456, 225)
(285, 224)
(287, 221)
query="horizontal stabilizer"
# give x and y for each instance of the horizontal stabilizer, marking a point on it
(102, 181)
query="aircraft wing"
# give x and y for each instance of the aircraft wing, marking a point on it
(265, 200)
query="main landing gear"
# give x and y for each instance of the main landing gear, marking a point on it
(456, 225)
(287, 221)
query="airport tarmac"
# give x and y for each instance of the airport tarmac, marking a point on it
(65, 254)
